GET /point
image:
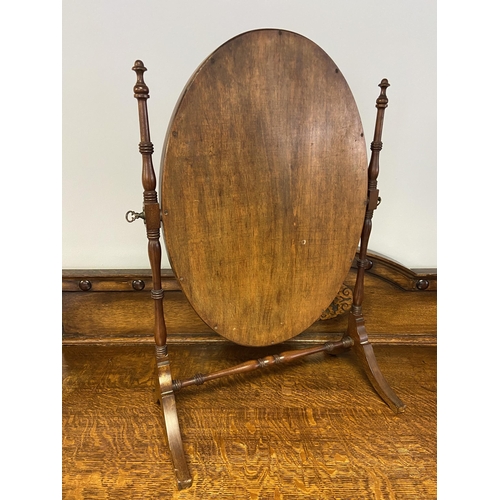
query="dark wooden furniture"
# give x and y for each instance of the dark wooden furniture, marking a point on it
(265, 196)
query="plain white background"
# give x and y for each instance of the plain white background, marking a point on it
(102, 167)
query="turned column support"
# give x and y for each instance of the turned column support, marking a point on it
(373, 199)
(356, 325)
(152, 218)
(151, 207)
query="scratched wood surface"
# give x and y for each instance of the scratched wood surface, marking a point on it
(314, 429)
(264, 181)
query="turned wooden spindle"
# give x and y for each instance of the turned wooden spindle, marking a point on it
(373, 198)
(152, 218)
(151, 207)
(356, 329)
(256, 364)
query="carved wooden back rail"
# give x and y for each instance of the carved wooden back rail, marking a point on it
(265, 194)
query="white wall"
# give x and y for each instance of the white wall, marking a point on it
(368, 40)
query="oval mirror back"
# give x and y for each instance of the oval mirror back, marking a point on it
(263, 186)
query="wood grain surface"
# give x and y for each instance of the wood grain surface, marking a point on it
(113, 311)
(313, 429)
(264, 186)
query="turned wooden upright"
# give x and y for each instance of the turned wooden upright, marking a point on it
(265, 194)
(356, 326)
(152, 216)
(151, 207)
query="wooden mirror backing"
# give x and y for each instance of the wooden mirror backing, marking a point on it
(263, 186)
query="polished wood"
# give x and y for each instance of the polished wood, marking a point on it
(165, 396)
(372, 197)
(312, 429)
(113, 311)
(151, 205)
(121, 280)
(264, 186)
(356, 330)
(364, 350)
(153, 219)
(275, 359)
(264, 189)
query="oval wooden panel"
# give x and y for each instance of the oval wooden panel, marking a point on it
(264, 180)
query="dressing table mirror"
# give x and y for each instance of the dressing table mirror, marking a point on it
(266, 197)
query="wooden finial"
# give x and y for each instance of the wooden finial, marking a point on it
(383, 84)
(382, 98)
(141, 90)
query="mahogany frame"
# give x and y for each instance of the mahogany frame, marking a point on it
(355, 337)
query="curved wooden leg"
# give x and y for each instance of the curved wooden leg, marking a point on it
(364, 351)
(167, 399)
